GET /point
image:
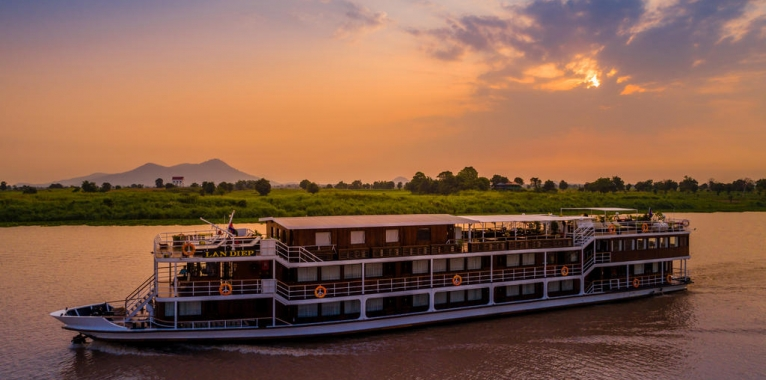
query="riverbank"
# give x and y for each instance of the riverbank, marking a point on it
(185, 206)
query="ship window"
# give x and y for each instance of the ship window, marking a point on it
(375, 304)
(528, 259)
(474, 263)
(554, 286)
(473, 294)
(351, 307)
(419, 266)
(323, 238)
(673, 241)
(352, 271)
(310, 310)
(512, 260)
(652, 243)
(392, 236)
(663, 242)
(655, 267)
(331, 273)
(638, 268)
(424, 234)
(527, 289)
(184, 308)
(331, 308)
(420, 300)
(373, 270)
(456, 264)
(641, 244)
(457, 296)
(307, 274)
(573, 257)
(511, 290)
(440, 298)
(440, 265)
(357, 237)
(567, 285)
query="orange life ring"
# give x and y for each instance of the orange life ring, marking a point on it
(457, 280)
(188, 249)
(564, 271)
(685, 223)
(225, 289)
(220, 232)
(612, 229)
(320, 291)
(636, 282)
(645, 227)
(669, 278)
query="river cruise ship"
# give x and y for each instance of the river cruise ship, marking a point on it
(328, 275)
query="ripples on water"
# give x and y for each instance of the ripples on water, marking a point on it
(715, 330)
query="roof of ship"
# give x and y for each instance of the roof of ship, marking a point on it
(361, 221)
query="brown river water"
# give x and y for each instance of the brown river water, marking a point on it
(715, 330)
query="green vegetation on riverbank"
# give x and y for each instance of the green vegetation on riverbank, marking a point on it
(186, 206)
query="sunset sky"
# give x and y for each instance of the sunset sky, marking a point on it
(344, 90)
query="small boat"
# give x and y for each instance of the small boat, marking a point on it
(331, 275)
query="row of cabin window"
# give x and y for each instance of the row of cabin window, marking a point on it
(640, 244)
(354, 271)
(646, 268)
(526, 259)
(376, 304)
(358, 237)
(527, 289)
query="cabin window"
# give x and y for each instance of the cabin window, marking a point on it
(419, 300)
(310, 310)
(673, 241)
(574, 257)
(440, 298)
(184, 308)
(331, 273)
(527, 289)
(419, 266)
(567, 285)
(457, 296)
(331, 308)
(424, 234)
(528, 259)
(655, 267)
(638, 268)
(352, 307)
(323, 239)
(474, 263)
(392, 236)
(473, 294)
(307, 274)
(512, 290)
(663, 242)
(641, 244)
(352, 271)
(456, 264)
(357, 237)
(375, 304)
(440, 265)
(512, 260)
(373, 270)
(554, 286)
(652, 243)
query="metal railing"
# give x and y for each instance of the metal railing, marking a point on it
(295, 254)
(137, 299)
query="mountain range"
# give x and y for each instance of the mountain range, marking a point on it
(213, 170)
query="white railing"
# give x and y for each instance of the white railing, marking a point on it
(295, 253)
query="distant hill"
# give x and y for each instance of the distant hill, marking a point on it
(213, 170)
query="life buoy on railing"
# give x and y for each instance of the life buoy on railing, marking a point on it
(188, 249)
(685, 223)
(457, 280)
(220, 232)
(225, 289)
(669, 278)
(564, 271)
(320, 291)
(612, 229)
(645, 227)
(636, 282)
